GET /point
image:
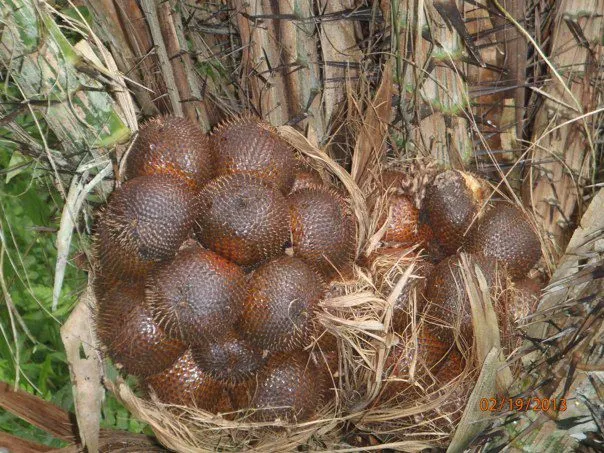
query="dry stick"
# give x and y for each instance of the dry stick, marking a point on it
(150, 11)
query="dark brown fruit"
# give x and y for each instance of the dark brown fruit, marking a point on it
(185, 384)
(250, 145)
(404, 226)
(279, 309)
(243, 219)
(229, 359)
(174, 146)
(145, 222)
(505, 234)
(290, 387)
(452, 202)
(128, 331)
(446, 305)
(197, 296)
(323, 230)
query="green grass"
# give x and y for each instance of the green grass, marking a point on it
(33, 355)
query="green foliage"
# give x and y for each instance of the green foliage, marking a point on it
(32, 354)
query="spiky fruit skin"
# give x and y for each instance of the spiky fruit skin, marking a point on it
(451, 203)
(323, 230)
(145, 222)
(130, 335)
(243, 218)
(290, 387)
(229, 359)
(402, 308)
(173, 146)
(197, 296)
(446, 305)
(505, 234)
(185, 384)
(279, 309)
(249, 145)
(404, 226)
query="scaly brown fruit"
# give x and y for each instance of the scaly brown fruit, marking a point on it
(173, 146)
(185, 384)
(450, 206)
(446, 305)
(323, 230)
(197, 296)
(250, 145)
(128, 332)
(289, 387)
(404, 226)
(279, 309)
(505, 234)
(243, 218)
(230, 359)
(144, 223)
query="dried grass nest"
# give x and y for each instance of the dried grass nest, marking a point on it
(358, 313)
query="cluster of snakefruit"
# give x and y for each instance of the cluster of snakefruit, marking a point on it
(213, 255)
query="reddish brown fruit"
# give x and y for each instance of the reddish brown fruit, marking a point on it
(446, 305)
(404, 226)
(452, 202)
(174, 146)
(243, 219)
(145, 222)
(129, 333)
(323, 230)
(197, 296)
(505, 234)
(228, 359)
(249, 145)
(290, 387)
(279, 309)
(185, 384)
